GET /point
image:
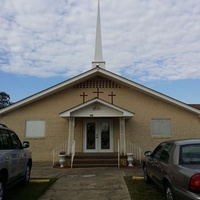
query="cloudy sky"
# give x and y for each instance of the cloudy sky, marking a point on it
(155, 43)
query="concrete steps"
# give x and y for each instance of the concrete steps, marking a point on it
(95, 160)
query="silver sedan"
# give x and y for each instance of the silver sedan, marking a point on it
(175, 167)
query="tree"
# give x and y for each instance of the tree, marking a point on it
(4, 100)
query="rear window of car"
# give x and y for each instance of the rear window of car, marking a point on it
(189, 154)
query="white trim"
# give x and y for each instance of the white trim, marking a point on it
(122, 125)
(97, 108)
(71, 122)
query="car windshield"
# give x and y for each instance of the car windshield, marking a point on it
(190, 154)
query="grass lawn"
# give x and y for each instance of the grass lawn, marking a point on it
(139, 190)
(30, 191)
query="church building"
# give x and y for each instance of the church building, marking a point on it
(99, 112)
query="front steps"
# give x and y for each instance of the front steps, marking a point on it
(95, 160)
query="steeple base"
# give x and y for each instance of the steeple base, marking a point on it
(100, 64)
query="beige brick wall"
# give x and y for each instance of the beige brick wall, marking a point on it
(138, 129)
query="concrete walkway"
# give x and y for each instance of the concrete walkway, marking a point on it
(86, 183)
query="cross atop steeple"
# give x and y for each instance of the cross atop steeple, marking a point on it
(98, 57)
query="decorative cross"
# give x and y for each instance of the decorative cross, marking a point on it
(83, 95)
(112, 95)
(98, 92)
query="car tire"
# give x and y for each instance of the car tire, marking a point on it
(147, 179)
(2, 187)
(168, 192)
(27, 175)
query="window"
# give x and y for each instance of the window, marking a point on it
(161, 127)
(5, 141)
(15, 141)
(162, 152)
(157, 152)
(166, 152)
(189, 154)
(35, 129)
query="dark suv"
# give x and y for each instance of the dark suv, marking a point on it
(15, 160)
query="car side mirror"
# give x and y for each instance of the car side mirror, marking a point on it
(147, 153)
(26, 144)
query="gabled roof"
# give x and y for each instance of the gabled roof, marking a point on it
(97, 108)
(91, 74)
(195, 106)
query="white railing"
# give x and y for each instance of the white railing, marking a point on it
(57, 150)
(130, 148)
(73, 153)
(118, 151)
(136, 150)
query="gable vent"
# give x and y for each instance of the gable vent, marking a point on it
(98, 83)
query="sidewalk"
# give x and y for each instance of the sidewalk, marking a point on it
(86, 183)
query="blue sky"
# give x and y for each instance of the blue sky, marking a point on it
(152, 42)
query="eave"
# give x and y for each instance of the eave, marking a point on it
(96, 108)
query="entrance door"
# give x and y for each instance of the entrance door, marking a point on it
(98, 135)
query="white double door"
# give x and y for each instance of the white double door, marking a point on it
(98, 135)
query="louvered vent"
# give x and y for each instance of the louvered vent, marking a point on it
(98, 83)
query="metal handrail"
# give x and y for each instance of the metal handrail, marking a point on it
(73, 153)
(136, 150)
(57, 150)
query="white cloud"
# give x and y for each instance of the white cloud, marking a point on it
(150, 40)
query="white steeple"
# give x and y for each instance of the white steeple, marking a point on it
(98, 57)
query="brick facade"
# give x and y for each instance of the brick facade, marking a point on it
(184, 123)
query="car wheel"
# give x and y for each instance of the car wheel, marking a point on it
(146, 177)
(169, 192)
(2, 187)
(27, 174)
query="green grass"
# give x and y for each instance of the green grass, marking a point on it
(31, 191)
(139, 190)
